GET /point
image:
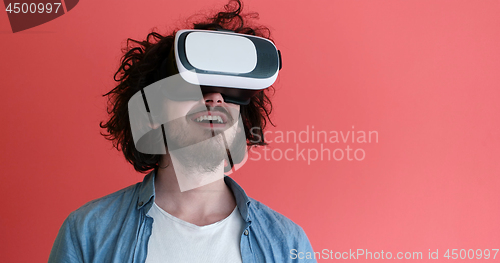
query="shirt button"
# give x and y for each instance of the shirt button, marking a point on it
(140, 203)
(246, 232)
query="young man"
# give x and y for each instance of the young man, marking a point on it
(185, 210)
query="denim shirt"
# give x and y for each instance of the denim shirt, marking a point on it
(116, 229)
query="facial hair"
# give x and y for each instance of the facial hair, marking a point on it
(197, 148)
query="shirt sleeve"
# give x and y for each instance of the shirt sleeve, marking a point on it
(65, 248)
(308, 255)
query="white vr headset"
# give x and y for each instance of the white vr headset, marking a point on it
(235, 65)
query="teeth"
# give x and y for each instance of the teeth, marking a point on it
(209, 118)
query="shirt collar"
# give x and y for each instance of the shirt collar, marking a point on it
(147, 194)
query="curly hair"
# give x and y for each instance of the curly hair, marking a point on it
(139, 66)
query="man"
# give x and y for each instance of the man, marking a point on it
(185, 210)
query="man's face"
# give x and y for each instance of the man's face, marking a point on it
(199, 132)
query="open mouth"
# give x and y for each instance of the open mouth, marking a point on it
(212, 119)
(209, 119)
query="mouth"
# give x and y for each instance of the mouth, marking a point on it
(209, 119)
(212, 119)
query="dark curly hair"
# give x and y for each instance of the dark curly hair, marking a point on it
(139, 66)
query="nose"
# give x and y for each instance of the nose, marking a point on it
(213, 99)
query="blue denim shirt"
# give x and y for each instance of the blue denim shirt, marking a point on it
(115, 228)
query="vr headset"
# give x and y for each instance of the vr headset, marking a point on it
(235, 65)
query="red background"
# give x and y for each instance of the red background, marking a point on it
(424, 74)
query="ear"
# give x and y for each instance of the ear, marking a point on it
(153, 125)
(148, 138)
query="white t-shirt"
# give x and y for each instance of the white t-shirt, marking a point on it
(175, 240)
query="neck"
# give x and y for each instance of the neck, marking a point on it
(200, 197)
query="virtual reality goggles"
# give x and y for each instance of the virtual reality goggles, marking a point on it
(236, 65)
